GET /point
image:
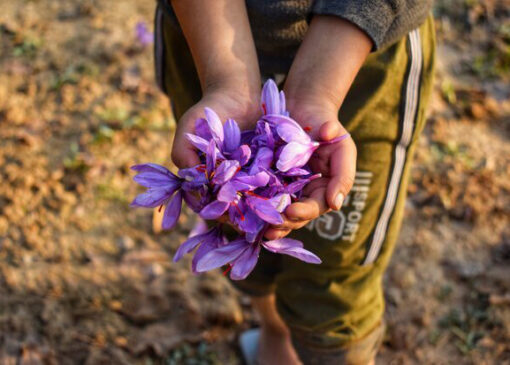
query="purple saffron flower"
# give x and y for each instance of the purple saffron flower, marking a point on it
(207, 241)
(262, 161)
(144, 36)
(272, 101)
(242, 255)
(227, 137)
(162, 190)
(299, 147)
(242, 187)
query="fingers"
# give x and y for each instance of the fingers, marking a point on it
(183, 153)
(309, 208)
(299, 214)
(274, 234)
(342, 170)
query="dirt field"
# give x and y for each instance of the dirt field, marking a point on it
(84, 279)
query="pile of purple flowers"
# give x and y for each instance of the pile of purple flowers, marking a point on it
(249, 177)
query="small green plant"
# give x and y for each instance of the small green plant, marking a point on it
(104, 134)
(448, 92)
(188, 355)
(28, 47)
(113, 115)
(74, 161)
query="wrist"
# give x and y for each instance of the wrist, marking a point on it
(233, 101)
(312, 106)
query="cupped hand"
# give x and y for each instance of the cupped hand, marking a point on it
(336, 162)
(227, 103)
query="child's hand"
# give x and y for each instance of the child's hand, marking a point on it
(235, 104)
(336, 162)
(322, 73)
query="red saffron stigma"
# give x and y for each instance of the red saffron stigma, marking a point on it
(255, 195)
(264, 108)
(160, 207)
(239, 211)
(227, 270)
(307, 128)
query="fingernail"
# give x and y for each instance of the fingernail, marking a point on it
(339, 200)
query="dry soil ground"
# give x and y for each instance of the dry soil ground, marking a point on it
(84, 278)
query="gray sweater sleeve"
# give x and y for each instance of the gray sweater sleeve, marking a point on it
(384, 21)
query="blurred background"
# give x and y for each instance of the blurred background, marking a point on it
(84, 279)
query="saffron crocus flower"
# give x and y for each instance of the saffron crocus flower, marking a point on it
(242, 255)
(207, 241)
(299, 147)
(144, 36)
(272, 101)
(227, 137)
(162, 191)
(242, 187)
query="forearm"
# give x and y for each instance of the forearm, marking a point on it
(326, 64)
(219, 36)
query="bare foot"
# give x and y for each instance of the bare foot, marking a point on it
(275, 348)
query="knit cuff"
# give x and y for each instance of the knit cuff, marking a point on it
(374, 17)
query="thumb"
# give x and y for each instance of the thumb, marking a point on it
(183, 153)
(330, 130)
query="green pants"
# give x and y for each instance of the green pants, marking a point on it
(336, 305)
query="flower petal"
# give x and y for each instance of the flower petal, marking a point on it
(156, 180)
(264, 209)
(210, 157)
(251, 182)
(200, 227)
(245, 263)
(251, 224)
(281, 244)
(232, 135)
(291, 247)
(152, 198)
(222, 255)
(302, 254)
(202, 129)
(215, 125)
(242, 154)
(172, 211)
(262, 161)
(296, 171)
(199, 143)
(214, 210)
(193, 200)
(225, 171)
(283, 106)
(288, 129)
(280, 202)
(228, 193)
(294, 155)
(296, 186)
(151, 167)
(190, 244)
(270, 99)
(269, 135)
(203, 250)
